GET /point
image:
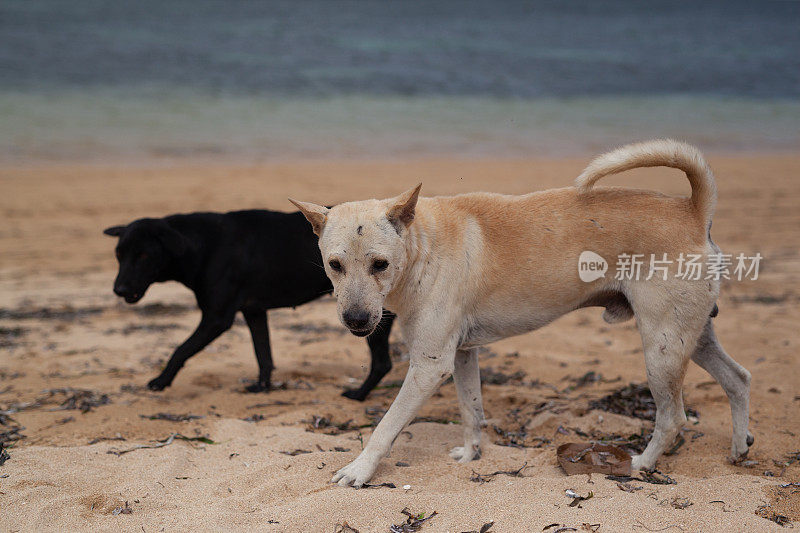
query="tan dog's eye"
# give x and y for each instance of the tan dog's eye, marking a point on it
(379, 265)
(335, 265)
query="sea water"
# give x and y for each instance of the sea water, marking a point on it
(153, 79)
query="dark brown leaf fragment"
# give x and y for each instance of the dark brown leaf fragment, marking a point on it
(413, 523)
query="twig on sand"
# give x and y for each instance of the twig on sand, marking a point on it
(161, 443)
(639, 524)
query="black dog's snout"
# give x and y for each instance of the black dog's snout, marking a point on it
(356, 319)
(121, 290)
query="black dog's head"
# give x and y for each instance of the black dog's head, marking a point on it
(145, 251)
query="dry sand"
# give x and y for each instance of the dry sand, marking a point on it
(53, 257)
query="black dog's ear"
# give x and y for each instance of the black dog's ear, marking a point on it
(171, 239)
(114, 231)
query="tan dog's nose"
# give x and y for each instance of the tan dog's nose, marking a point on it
(356, 319)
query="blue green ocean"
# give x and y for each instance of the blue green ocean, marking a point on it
(94, 80)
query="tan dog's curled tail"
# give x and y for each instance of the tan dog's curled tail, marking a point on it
(658, 153)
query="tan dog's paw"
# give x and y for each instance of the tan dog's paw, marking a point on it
(464, 454)
(638, 463)
(356, 473)
(739, 449)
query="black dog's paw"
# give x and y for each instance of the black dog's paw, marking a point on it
(258, 386)
(355, 394)
(158, 384)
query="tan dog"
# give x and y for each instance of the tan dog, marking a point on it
(466, 270)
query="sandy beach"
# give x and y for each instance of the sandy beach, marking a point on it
(74, 360)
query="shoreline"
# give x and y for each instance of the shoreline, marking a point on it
(241, 162)
(108, 124)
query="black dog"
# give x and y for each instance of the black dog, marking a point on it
(248, 261)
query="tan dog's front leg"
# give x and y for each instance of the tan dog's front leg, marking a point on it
(425, 373)
(467, 377)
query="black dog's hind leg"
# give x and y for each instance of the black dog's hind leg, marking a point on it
(209, 329)
(381, 364)
(259, 329)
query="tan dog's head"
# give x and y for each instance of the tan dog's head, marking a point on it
(364, 253)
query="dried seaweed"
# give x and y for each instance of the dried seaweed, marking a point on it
(161, 443)
(66, 313)
(268, 404)
(102, 439)
(414, 522)
(634, 400)
(9, 337)
(433, 420)
(634, 443)
(170, 417)
(297, 451)
(782, 520)
(490, 376)
(378, 485)
(577, 498)
(485, 478)
(9, 430)
(329, 427)
(653, 477)
(375, 413)
(587, 379)
(81, 399)
(139, 328)
(679, 502)
(561, 528)
(485, 528)
(627, 487)
(680, 441)
(122, 510)
(299, 384)
(518, 418)
(3, 454)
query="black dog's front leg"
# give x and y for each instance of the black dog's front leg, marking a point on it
(381, 363)
(208, 330)
(259, 329)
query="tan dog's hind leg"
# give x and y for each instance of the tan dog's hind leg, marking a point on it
(735, 381)
(670, 320)
(467, 377)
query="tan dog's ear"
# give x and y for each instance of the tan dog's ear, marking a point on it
(316, 214)
(401, 214)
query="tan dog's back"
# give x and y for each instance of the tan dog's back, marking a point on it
(530, 245)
